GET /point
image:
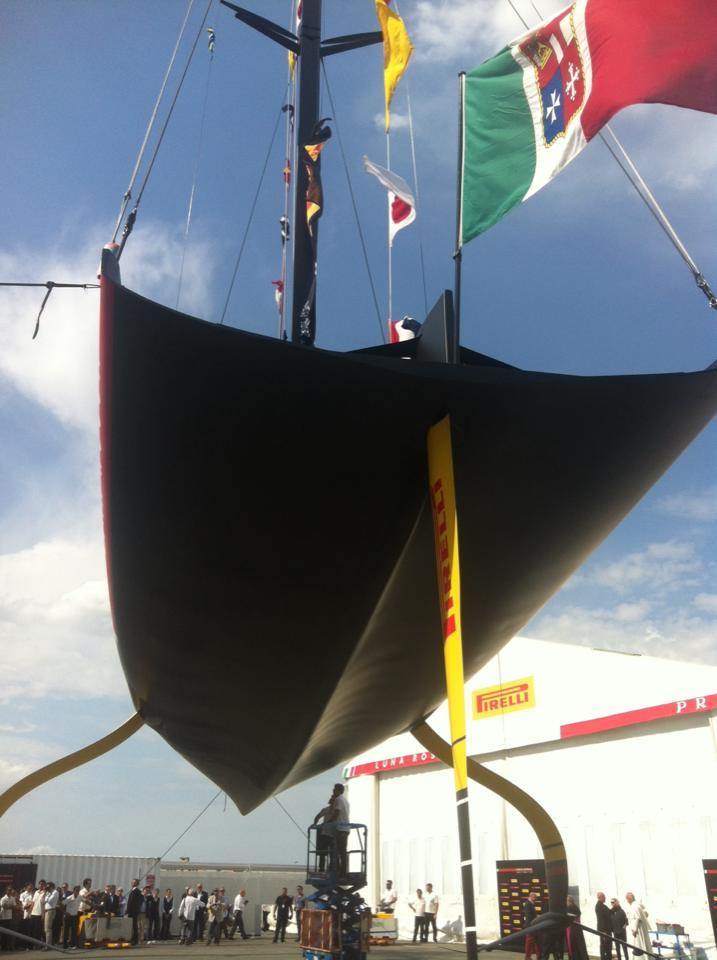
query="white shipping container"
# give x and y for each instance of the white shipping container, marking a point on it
(120, 871)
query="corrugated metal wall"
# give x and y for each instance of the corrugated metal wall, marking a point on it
(262, 884)
(101, 870)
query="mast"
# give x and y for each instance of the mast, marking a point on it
(309, 49)
(303, 304)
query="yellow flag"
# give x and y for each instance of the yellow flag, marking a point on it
(397, 50)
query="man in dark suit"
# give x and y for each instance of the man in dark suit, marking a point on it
(134, 908)
(109, 901)
(604, 925)
(200, 918)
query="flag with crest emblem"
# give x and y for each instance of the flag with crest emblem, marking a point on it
(529, 110)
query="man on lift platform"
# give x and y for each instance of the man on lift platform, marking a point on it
(336, 920)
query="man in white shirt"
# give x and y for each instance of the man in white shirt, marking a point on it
(26, 904)
(37, 911)
(7, 905)
(51, 900)
(387, 904)
(418, 905)
(86, 896)
(340, 805)
(187, 916)
(431, 913)
(69, 926)
(240, 902)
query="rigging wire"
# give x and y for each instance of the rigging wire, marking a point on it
(185, 831)
(289, 173)
(50, 285)
(640, 186)
(297, 825)
(418, 199)
(415, 185)
(389, 245)
(353, 203)
(128, 193)
(129, 224)
(253, 207)
(197, 161)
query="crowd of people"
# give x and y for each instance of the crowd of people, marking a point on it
(55, 914)
(619, 929)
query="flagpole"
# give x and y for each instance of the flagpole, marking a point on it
(388, 232)
(458, 253)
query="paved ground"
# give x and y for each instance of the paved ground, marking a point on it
(262, 948)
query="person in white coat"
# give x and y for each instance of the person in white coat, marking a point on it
(638, 931)
(187, 916)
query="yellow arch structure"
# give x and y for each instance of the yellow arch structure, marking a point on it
(76, 759)
(556, 862)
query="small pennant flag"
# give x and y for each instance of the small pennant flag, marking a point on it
(211, 39)
(314, 192)
(406, 329)
(401, 204)
(397, 50)
(279, 294)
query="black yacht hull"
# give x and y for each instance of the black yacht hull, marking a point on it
(269, 541)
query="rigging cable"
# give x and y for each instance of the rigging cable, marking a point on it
(353, 204)
(289, 141)
(185, 831)
(50, 285)
(253, 208)
(415, 184)
(418, 199)
(637, 181)
(197, 160)
(297, 825)
(389, 245)
(129, 224)
(128, 193)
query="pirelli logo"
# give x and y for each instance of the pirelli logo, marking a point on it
(492, 701)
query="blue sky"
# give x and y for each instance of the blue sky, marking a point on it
(577, 280)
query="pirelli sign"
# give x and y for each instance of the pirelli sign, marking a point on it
(507, 698)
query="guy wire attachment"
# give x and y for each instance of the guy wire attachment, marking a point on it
(50, 285)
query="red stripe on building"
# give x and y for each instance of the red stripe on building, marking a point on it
(392, 763)
(677, 708)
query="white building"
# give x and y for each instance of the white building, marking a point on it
(620, 749)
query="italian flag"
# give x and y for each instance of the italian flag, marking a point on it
(533, 107)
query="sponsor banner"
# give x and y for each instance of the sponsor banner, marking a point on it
(392, 763)
(517, 879)
(676, 708)
(506, 698)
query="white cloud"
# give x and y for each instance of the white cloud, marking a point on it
(672, 632)
(700, 505)
(631, 612)
(55, 624)
(706, 602)
(59, 370)
(470, 30)
(664, 566)
(399, 121)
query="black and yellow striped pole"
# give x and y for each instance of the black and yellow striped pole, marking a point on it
(445, 530)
